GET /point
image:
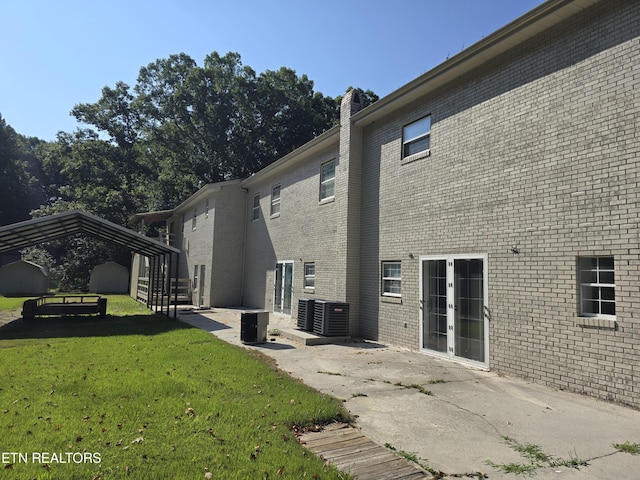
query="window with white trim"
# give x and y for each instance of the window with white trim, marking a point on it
(275, 200)
(206, 209)
(256, 207)
(195, 219)
(327, 180)
(597, 286)
(416, 137)
(391, 279)
(310, 275)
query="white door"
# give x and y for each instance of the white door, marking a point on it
(201, 287)
(283, 288)
(454, 307)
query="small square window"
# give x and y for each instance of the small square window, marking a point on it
(392, 279)
(597, 286)
(275, 200)
(327, 180)
(310, 275)
(416, 137)
(256, 207)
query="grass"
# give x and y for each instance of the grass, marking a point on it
(138, 395)
(435, 474)
(536, 459)
(627, 447)
(415, 386)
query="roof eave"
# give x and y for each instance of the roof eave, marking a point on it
(205, 191)
(531, 23)
(319, 143)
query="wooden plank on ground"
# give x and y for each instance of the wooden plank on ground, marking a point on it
(349, 450)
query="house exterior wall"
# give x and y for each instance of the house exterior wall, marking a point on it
(216, 241)
(533, 164)
(537, 149)
(304, 231)
(228, 247)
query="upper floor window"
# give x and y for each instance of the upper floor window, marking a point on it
(416, 137)
(327, 180)
(597, 286)
(256, 207)
(391, 279)
(275, 200)
(206, 209)
(195, 219)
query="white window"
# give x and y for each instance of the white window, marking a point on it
(416, 137)
(256, 207)
(328, 180)
(195, 219)
(597, 286)
(275, 200)
(310, 275)
(391, 279)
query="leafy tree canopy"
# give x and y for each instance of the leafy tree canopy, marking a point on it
(150, 146)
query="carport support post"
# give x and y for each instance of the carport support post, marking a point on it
(155, 306)
(152, 274)
(150, 282)
(161, 277)
(175, 294)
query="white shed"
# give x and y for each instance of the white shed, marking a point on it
(23, 278)
(109, 277)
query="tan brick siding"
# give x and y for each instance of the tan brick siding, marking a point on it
(540, 149)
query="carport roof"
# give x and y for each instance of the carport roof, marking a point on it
(32, 232)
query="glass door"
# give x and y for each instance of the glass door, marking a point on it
(434, 304)
(469, 309)
(453, 303)
(201, 287)
(283, 287)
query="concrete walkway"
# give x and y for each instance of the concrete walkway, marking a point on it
(453, 418)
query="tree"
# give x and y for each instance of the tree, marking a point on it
(18, 189)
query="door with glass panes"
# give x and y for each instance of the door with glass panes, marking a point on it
(283, 289)
(453, 302)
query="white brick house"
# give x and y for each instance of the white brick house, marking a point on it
(486, 212)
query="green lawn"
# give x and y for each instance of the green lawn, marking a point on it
(137, 395)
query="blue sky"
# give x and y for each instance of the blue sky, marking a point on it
(55, 54)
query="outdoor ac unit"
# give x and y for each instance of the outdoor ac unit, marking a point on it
(305, 314)
(331, 319)
(253, 326)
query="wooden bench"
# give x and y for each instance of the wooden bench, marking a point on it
(67, 305)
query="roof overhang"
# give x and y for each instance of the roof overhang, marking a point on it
(204, 192)
(541, 18)
(150, 217)
(32, 232)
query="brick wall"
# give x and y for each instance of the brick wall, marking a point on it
(538, 148)
(303, 231)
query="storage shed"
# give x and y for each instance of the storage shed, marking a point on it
(23, 278)
(109, 277)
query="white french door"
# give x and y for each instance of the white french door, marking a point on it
(454, 306)
(283, 287)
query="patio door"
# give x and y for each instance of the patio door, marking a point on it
(283, 289)
(198, 285)
(453, 302)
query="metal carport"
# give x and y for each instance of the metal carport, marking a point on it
(32, 232)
